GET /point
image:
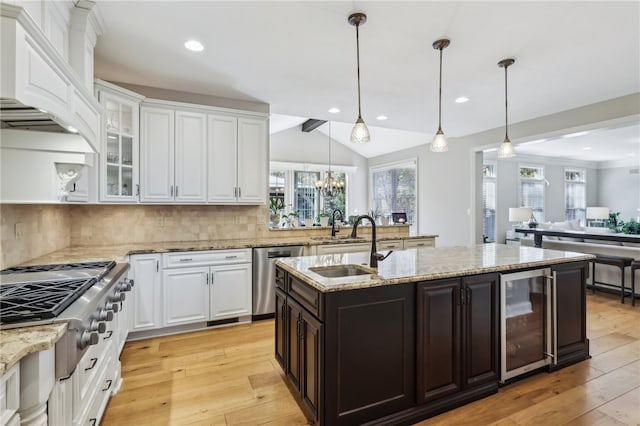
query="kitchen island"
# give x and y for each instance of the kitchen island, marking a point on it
(418, 336)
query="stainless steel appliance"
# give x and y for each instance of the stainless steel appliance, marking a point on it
(264, 276)
(528, 321)
(84, 295)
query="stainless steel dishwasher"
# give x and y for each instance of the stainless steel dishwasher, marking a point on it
(264, 278)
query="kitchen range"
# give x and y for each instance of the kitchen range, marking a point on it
(78, 376)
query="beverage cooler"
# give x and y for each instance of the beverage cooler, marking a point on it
(528, 322)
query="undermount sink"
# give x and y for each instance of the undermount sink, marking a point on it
(338, 271)
(345, 238)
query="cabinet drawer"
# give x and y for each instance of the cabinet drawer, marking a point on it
(204, 258)
(419, 242)
(306, 296)
(280, 282)
(95, 404)
(390, 245)
(85, 377)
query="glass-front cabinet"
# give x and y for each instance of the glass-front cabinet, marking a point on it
(119, 162)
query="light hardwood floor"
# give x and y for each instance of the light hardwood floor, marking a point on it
(229, 376)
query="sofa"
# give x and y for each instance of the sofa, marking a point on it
(604, 273)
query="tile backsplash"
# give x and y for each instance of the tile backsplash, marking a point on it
(28, 231)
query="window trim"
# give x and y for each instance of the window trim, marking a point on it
(584, 182)
(542, 180)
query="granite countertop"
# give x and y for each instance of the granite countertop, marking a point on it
(423, 264)
(120, 252)
(19, 342)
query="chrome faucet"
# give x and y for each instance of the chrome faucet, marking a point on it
(333, 221)
(375, 256)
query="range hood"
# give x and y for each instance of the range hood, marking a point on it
(39, 89)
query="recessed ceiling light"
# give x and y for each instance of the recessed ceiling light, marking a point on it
(194, 45)
(72, 129)
(586, 148)
(381, 117)
(576, 134)
(334, 110)
(462, 99)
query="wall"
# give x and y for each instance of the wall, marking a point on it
(44, 228)
(620, 191)
(293, 145)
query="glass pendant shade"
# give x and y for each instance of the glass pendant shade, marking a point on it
(360, 132)
(506, 149)
(439, 142)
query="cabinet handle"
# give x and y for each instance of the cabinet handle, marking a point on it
(391, 246)
(468, 291)
(94, 361)
(284, 313)
(239, 192)
(461, 296)
(109, 334)
(231, 256)
(419, 244)
(235, 191)
(137, 189)
(93, 421)
(74, 188)
(186, 259)
(176, 190)
(211, 278)
(157, 266)
(172, 190)
(109, 382)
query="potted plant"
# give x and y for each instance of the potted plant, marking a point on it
(323, 219)
(292, 219)
(275, 208)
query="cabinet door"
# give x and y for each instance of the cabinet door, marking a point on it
(252, 160)
(222, 136)
(438, 344)
(390, 245)
(119, 162)
(146, 292)
(343, 248)
(186, 295)
(570, 284)
(281, 327)
(311, 361)
(191, 157)
(230, 292)
(157, 140)
(480, 318)
(292, 353)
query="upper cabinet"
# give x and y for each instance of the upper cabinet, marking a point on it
(174, 156)
(196, 155)
(119, 161)
(237, 159)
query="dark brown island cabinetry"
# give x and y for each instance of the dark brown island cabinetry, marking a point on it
(396, 354)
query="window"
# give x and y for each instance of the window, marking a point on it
(575, 195)
(393, 189)
(305, 199)
(531, 190)
(489, 201)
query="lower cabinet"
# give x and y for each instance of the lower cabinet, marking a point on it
(146, 292)
(457, 336)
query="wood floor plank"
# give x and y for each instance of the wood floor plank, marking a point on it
(229, 375)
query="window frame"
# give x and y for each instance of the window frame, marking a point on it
(542, 180)
(407, 163)
(583, 172)
(494, 180)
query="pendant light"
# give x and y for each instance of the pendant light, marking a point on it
(329, 187)
(360, 132)
(439, 142)
(506, 149)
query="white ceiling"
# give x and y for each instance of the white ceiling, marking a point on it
(299, 57)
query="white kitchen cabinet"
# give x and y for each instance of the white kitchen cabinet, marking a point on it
(147, 292)
(173, 149)
(119, 159)
(10, 396)
(389, 245)
(186, 295)
(230, 291)
(157, 144)
(238, 159)
(206, 286)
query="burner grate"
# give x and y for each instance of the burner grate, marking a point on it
(36, 301)
(106, 264)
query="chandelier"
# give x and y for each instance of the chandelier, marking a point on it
(329, 187)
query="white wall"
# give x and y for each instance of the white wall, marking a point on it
(295, 146)
(619, 190)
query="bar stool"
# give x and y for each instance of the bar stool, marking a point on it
(619, 261)
(635, 265)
